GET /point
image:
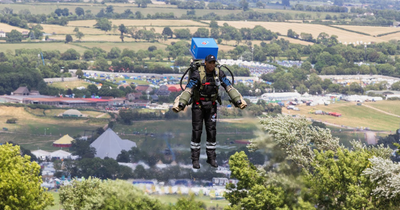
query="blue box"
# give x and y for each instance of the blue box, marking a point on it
(201, 47)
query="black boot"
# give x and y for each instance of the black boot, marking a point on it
(195, 158)
(211, 157)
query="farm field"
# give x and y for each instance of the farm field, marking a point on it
(314, 29)
(47, 8)
(57, 29)
(294, 12)
(387, 106)
(62, 47)
(352, 115)
(130, 22)
(373, 30)
(29, 129)
(94, 38)
(8, 28)
(69, 84)
(130, 45)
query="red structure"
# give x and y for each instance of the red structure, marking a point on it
(335, 114)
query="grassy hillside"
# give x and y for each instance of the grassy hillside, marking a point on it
(69, 84)
(30, 129)
(352, 115)
(62, 47)
(387, 106)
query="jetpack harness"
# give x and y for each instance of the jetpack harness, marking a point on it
(200, 48)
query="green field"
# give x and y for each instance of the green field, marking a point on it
(30, 129)
(294, 12)
(171, 199)
(352, 115)
(122, 45)
(47, 8)
(387, 106)
(167, 199)
(4, 47)
(70, 84)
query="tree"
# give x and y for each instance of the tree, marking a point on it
(182, 33)
(14, 36)
(123, 30)
(315, 89)
(101, 64)
(70, 54)
(20, 181)
(325, 84)
(79, 73)
(259, 4)
(213, 24)
(152, 48)
(395, 86)
(94, 193)
(65, 12)
(167, 31)
(103, 24)
(79, 11)
(201, 32)
(301, 89)
(68, 38)
(115, 52)
(292, 34)
(274, 50)
(286, 3)
(244, 5)
(310, 170)
(250, 192)
(79, 35)
(110, 9)
(76, 29)
(338, 2)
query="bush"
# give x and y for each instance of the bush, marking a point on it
(394, 99)
(12, 121)
(20, 181)
(94, 193)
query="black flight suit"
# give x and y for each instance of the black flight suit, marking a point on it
(205, 109)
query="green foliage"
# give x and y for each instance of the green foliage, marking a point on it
(250, 192)
(96, 194)
(333, 177)
(336, 181)
(188, 203)
(20, 181)
(14, 36)
(68, 38)
(103, 24)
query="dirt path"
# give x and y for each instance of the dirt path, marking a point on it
(101, 115)
(370, 137)
(379, 110)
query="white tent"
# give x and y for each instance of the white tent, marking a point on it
(109, 144)
(41, 154)
(61, 154)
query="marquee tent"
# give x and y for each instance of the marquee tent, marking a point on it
(65, 141)
(109, 144)
(41, 154)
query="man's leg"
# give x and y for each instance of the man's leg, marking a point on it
(197, 128)
(211, 128)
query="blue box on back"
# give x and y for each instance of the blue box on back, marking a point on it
(201, 47)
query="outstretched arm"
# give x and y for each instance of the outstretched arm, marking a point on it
(183, 99)
(234, 95)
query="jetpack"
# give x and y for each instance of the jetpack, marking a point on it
(200, 48)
